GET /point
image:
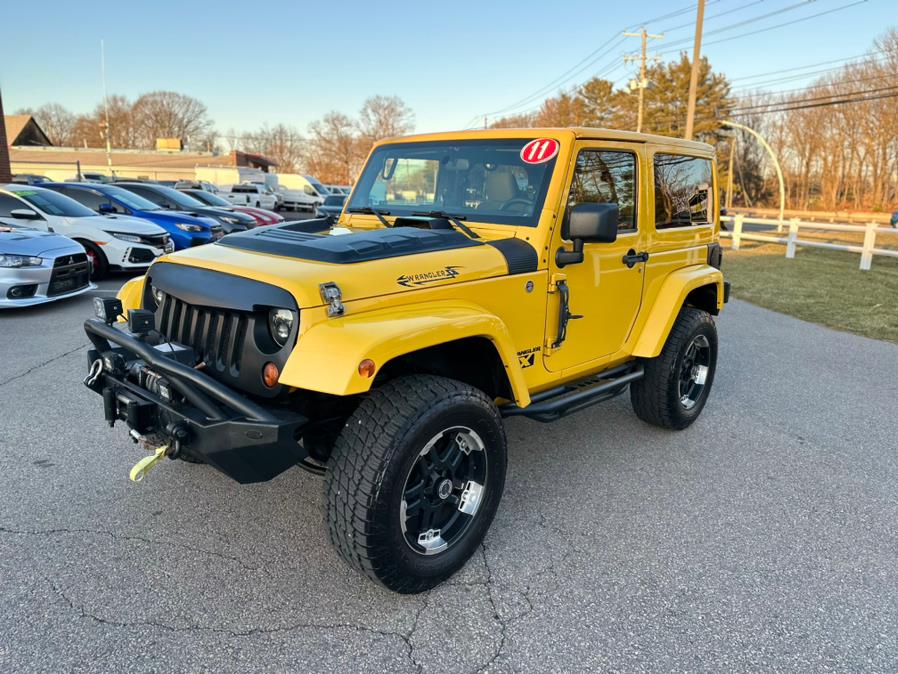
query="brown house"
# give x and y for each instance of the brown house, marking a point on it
(22, 130)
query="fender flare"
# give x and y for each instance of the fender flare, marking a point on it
(131, 294)
(327, 355)
(674, 290)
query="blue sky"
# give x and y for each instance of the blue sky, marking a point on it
(272, 62)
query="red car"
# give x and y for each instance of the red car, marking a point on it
(260, 215)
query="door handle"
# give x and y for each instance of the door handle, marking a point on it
(632, 258)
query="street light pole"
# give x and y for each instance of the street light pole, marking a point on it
(106, 105)
(776, 163)
(693, 79)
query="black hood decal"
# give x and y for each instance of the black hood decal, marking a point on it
(377, 244)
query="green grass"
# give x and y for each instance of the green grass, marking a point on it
(820, 286)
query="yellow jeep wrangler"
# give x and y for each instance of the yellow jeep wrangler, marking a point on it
(472, 276)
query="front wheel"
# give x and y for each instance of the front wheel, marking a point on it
(414, 481)
(99, 267)
(676, 384)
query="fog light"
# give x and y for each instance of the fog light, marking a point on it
(107, 309)
(270, 374)
(366, 368)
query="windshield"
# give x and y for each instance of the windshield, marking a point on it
(335, 200)
(170, 194)
(55, 203)
(209, 198)
(481, 180)
(131, 200)
(321, 189)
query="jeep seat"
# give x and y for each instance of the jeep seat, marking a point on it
(499, 188)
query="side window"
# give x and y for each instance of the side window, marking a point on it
(8, 204)
(607, 177)
(682, 191)
(86, 198)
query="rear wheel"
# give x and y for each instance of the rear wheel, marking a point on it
(676, 384)
(415, 480)
(99, 266)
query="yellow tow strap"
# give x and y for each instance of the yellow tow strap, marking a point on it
(142, 467)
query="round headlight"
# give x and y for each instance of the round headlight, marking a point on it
(158, 296)
(280, 323)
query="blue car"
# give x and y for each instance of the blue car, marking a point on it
(186, 230)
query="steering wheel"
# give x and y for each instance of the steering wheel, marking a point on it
(517, 201)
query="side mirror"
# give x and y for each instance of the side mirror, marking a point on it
(106, 209)
(24, 214)
(588, 223)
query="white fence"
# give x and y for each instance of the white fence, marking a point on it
(867, 250)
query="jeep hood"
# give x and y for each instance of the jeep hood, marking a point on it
(363, 263)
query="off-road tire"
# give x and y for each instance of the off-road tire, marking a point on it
(655, 397)
(371, 463)
(99, 268)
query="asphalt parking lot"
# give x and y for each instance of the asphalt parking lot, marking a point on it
(764, 537)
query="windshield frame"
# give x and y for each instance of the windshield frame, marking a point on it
(360, 197)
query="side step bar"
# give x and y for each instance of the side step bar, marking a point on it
(563, 400)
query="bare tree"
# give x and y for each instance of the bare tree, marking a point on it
(384, 117)
(57, 122)
(281, 143)
(168, 114)
(335, 151)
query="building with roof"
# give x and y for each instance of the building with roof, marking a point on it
(31, 151)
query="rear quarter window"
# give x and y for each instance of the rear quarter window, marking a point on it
(683, 189)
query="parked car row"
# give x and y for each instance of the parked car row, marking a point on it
(56, 237)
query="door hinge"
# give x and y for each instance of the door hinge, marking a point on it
(564, 312)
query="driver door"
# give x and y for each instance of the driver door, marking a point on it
(605, 290)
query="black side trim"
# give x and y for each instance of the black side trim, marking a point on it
(376, 244)
(520, 256)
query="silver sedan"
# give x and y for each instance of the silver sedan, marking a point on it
(38, 267)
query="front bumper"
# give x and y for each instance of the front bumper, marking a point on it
(162, 397)
(41, 277)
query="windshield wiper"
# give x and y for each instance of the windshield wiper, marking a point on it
(367, 210)
(454, 219)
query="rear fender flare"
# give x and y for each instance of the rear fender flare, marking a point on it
(667, 305)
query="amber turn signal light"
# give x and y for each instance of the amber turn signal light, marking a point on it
(366, 368)
(270, 374)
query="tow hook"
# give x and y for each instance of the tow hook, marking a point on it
(142, 467)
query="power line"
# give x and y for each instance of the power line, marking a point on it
(713, 16)
(825, 104)
(788, 23)
(744, 108)
(781, 80)
(823, 85)
(809, 65)
(583, 64)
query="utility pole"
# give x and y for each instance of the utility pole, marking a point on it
(643, 82)
(106, 105)
(693, 80)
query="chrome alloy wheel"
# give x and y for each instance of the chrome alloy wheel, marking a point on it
(694, 370)
(443, 490)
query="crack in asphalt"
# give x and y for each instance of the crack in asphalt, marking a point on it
(40, 365)
(123, 537)
(70, 604)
